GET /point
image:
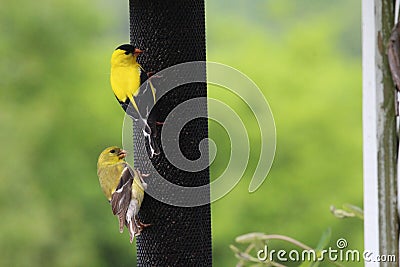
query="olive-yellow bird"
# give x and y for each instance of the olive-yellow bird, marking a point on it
(126, 78)
(123, 187)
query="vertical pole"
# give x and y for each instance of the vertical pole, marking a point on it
(379, 130)
(172, 32)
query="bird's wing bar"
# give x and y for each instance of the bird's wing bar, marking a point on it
(126, 174)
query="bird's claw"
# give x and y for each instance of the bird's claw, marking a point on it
(136, 227)
(142, 174)
(151, 74)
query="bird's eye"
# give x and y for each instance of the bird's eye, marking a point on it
(127, 53)
(112, 151)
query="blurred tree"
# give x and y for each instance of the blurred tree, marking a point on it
(302, 57)
(57, 113)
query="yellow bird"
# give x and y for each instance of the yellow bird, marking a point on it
(123, 187)
(126, 78)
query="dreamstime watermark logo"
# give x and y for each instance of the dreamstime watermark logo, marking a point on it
(339, 254)
(223, 78)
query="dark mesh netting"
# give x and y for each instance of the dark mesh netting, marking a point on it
(172, 32)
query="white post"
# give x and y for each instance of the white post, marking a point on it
(371, 225)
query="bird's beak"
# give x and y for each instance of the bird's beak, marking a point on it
(122, 154)
(138, 51)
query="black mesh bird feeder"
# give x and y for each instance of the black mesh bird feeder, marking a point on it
(170, 33)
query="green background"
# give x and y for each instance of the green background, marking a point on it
(57, 112)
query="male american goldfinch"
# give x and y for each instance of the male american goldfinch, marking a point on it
(123, 187)
(126, 77)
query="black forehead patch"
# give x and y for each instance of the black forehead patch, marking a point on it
(126, 47)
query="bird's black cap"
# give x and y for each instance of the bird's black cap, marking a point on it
(126, 47)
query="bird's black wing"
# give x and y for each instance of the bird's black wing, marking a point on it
(146, 98)
(120, 199)
(129, 109)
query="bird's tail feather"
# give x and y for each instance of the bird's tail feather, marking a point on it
(121, 219)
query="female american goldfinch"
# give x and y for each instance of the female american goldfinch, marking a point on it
(126, 78)
(123, 187)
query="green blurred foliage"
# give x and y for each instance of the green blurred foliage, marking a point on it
(308, 64)
(57, 113)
